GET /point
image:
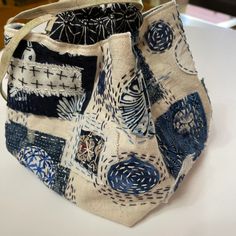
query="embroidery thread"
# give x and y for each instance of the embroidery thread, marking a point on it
(89, 149)
(159, 36)
(133, 176)
(182, 131)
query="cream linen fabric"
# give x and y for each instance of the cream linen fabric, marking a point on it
(126, 65)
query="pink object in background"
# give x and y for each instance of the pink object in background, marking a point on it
(205, 14)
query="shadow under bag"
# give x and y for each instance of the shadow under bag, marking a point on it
(105, 106)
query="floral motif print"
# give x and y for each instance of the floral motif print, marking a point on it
(63, 27)
(90, 147)
(39, 162)
(183, 121)
(90, 25)
(128, 17)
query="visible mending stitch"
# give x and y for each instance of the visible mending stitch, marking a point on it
(21, 78)
(129, 197)
(182, 131)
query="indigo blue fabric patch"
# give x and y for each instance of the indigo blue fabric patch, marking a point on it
(89, 149)
(61, 179)
(159, 36)
(45, 168)
(39, 162)
(135, 107)
(133, 176)
(90, 25)
(182, 131)
(54, 146)
(42, 54)
(39, 152)
(102, 82)
(18, 137)
(50, 106)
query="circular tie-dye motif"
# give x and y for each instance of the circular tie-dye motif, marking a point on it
(39, 162)
(133, 176)
(159, 36)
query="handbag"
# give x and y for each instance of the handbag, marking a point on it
(104, 105)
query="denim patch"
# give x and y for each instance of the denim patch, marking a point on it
(18, 137)
(133, 176)
(61, 179)
(182, 131)
(54, 146)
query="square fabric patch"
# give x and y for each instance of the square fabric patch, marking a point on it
(89, 149)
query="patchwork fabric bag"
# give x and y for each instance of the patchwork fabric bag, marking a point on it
(105, 105)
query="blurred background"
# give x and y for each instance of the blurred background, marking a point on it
(220, 12)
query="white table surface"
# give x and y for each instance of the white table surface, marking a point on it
(204, 205)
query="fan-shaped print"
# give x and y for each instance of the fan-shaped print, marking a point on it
(135, 108)
(68, 108)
